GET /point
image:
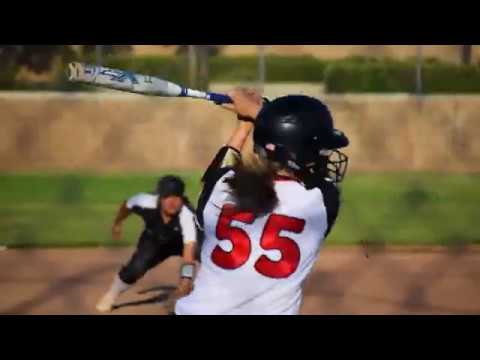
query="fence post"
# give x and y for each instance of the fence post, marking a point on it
(192, 66)
(418, 82)
(261, 68)
(98, 54)
(202, 53)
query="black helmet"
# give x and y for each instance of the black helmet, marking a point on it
(297, 131)
(170, 185)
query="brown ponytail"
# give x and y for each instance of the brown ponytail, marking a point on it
(253, 186)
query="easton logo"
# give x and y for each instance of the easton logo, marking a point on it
(119, 76)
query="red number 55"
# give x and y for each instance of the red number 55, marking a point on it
(270, 240)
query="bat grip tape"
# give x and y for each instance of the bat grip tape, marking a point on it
(220, 99)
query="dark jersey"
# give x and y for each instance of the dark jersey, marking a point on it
(182, 227)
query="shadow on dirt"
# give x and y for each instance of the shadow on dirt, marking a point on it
(165, 291)
(167, 288)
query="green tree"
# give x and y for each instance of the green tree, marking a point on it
(107, 49)
(38, 58)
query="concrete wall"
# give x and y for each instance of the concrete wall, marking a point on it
(123, 132)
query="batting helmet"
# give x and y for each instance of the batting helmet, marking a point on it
(297, 131)
(170, 185)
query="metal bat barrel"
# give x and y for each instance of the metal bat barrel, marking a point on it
(136, 83)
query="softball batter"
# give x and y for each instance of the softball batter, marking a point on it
(264, 223)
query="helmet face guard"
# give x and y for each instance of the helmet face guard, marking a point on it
(337, 164)
(332, 163)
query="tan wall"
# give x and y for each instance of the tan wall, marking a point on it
(449, 53)
(110, 132)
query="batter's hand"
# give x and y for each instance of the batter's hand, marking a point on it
(117, 232)
(184, 288)
(247, 103)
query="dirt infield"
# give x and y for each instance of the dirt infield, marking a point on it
(345, 281)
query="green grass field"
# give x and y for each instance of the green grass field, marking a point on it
(77, 210)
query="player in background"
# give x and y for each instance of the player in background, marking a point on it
(169, 231)
(265, 221)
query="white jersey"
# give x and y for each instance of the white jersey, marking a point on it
(257, 265)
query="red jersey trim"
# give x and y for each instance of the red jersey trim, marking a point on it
(284, 178)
